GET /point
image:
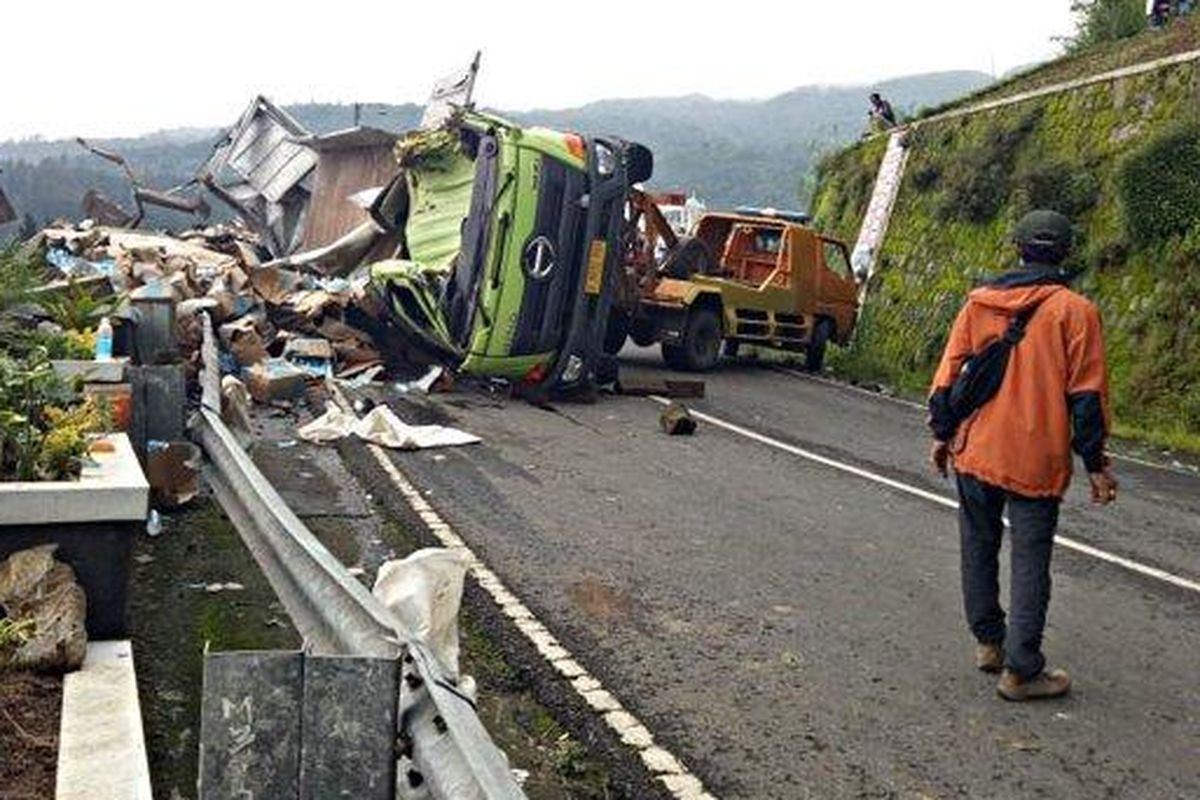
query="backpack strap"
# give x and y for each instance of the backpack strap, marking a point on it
(1016, 328)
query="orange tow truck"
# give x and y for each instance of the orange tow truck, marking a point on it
(754, 276)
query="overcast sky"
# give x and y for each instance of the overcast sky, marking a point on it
(122, 67)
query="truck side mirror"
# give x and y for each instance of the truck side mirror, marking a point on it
(639, 163)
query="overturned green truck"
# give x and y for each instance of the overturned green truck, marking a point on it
(510, 247)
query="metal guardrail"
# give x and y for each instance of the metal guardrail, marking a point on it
(452, 757)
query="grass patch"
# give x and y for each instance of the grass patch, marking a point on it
(172, 620)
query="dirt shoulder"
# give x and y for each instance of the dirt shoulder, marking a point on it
(30, 708)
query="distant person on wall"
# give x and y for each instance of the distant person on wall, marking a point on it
(1022, 382)
(1159, 12)
(881, 113)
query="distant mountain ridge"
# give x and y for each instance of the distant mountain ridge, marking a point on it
(728, 152)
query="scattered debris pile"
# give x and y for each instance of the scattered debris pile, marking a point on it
(362, 251)
(277, 327)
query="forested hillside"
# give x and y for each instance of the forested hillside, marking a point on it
(727, 152)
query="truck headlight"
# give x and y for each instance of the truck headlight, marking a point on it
(606, 160)
(573, 370)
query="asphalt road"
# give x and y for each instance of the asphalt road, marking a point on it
(791, 630)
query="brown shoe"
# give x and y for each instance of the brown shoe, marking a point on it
(989, 657)
(1054, 683)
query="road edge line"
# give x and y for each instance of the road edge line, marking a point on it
(900, 401)
(1065, 541)
(662, 765)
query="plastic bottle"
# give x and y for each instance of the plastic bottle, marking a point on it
(104, 340)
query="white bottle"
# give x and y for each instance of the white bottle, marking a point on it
(104, 340)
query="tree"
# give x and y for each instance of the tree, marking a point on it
(29, 227)
(1099, 21)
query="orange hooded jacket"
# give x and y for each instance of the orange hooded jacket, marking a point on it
(1054, 394)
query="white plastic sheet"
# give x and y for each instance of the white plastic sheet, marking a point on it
(381, 426)
(424, 592)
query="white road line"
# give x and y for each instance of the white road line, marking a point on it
(664, 766)
(850, 387)
(795, 373)
(933, 497)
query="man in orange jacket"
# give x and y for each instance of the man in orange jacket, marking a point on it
(1015, 449)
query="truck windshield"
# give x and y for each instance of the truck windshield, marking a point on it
(836, 259)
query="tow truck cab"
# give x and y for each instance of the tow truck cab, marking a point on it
(751, 277)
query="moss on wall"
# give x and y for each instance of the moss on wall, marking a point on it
(969, 179)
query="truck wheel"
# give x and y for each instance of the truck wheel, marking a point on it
(814, 360)
(616, 331)
(701, 345)
(643, 332)
(732, 346)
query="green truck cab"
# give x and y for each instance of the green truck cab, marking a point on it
(510, 246)
(753, 277)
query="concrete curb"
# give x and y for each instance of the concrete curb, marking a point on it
(1066, 86)
(112, 488)
(102, 750)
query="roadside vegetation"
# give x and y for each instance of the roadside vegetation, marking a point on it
(1122, 159)
(1097, 47)
(44, 420)
(1103, 21)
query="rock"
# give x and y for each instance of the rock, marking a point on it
(676, 420)
(34, 586)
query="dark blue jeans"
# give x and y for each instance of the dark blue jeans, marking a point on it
(981, 527)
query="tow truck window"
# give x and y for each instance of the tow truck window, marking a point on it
(768, 241)
(836, 259)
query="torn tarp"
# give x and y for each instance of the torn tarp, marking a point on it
(381, 426)
(424, 592)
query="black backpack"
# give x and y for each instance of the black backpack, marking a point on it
(983, 372)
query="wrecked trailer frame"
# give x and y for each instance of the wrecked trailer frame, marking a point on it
(95, 204)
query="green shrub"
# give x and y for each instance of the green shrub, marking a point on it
(926, 177)
(1159, 185)
(1165, 379)
(978, 184)
(1099, 21)
(20, 274)
(976, 190)
(44, 421)
(1060, 186)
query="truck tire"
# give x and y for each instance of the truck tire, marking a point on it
(616, 331)
(701, 346)
(814, 360)
(644, 332)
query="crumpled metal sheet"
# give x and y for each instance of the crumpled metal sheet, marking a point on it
(452, 91)
(262, 171)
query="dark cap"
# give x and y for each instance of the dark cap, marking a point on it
(1043, 229)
